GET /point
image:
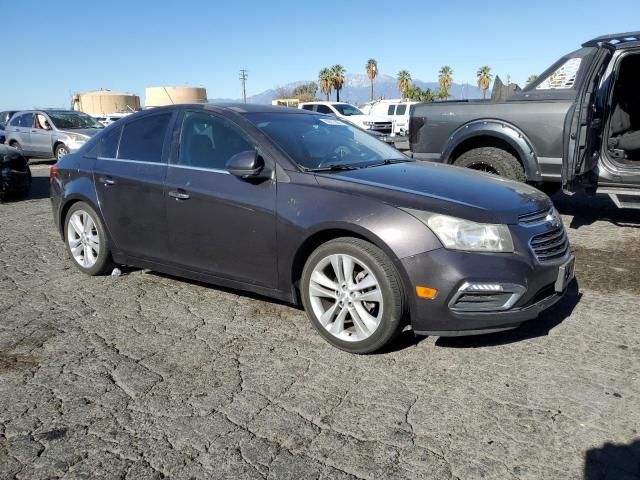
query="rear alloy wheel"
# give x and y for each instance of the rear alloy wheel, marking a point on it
(86, 241)
(352, 294)
(492, 160)
(61, 151)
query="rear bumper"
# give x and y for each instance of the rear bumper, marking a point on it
(447, 271)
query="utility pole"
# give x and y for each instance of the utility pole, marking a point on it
(243, 77)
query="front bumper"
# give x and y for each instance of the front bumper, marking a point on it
(448, 270)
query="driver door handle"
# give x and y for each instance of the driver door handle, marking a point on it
(107, 181)
(179, 195)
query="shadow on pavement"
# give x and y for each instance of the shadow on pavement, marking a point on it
(613, 461)
(39, 188)
(588, 209)
(540, 327)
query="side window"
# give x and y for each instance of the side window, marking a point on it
(143, 139)
(24, 120)
(324, 109)
(307, 107)
(16, 121)
(401, 110)
(207, 141)
(391, 110)
(563, 78)
(107, 147)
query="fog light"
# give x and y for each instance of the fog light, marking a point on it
(426, 292)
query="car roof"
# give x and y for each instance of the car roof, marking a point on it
(323, 102)
(616, 40)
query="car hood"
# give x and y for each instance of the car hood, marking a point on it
(89, 132)
(445, 189)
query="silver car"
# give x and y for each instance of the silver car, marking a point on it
(50, 133)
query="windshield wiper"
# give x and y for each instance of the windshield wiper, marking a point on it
(388, 161)
(336, 167)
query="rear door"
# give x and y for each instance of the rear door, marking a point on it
(584, 122)
(129, 175)
(20, 131)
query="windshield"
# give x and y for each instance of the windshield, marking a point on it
(347, 110)
(318, 142)
(73, 120)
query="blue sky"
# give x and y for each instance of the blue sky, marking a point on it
(57, 48)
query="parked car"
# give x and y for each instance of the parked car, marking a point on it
(395, 109)
(383, 137)
(15, 175)
(351, 113)
(305, 208)
(50, 133)
(4, 119)
(578, 124)
(107, 120)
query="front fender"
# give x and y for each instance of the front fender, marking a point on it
(501, 130)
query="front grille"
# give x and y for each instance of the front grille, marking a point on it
(535, 218)
(551, 245)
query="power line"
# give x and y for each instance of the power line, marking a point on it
(243, 77)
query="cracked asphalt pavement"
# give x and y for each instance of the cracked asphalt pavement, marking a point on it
(147, 376)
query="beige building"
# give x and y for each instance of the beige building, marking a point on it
(104, 102)
(159, 96)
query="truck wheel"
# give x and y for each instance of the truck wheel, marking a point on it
(61, 151)
(492, 160)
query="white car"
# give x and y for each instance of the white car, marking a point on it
(108, 119)
(397, 110)
(376, 123)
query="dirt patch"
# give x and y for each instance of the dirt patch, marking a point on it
(609, 270)
(9, 361)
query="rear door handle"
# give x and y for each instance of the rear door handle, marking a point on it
(179, 195)
(107, 181)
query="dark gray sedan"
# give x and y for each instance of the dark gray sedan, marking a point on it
(308, 209)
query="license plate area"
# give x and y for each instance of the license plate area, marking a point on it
(566, 272)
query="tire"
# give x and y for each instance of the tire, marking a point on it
(16, 145)
(492, 160)
(381, 318)
(60, 151)
(95, 264)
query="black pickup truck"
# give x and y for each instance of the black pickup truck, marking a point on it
(577, 125)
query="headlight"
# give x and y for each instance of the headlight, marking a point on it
(459, 234)
(77, 138)
(368, 124)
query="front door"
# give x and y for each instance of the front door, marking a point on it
(218, 223)
(41, 135)
(584, 123)
(129, 175)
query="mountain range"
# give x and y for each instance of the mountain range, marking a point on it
(356, 90)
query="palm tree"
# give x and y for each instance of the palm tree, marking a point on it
(484, 79)
(337, 79)
(445, 80)
(372, 72)
(325, 80)
(404, 82)
(531, 79)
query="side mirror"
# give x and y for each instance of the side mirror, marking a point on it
(247, 164)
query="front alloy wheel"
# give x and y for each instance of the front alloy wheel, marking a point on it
(61, 151)
(346, 298)
(352, 294)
